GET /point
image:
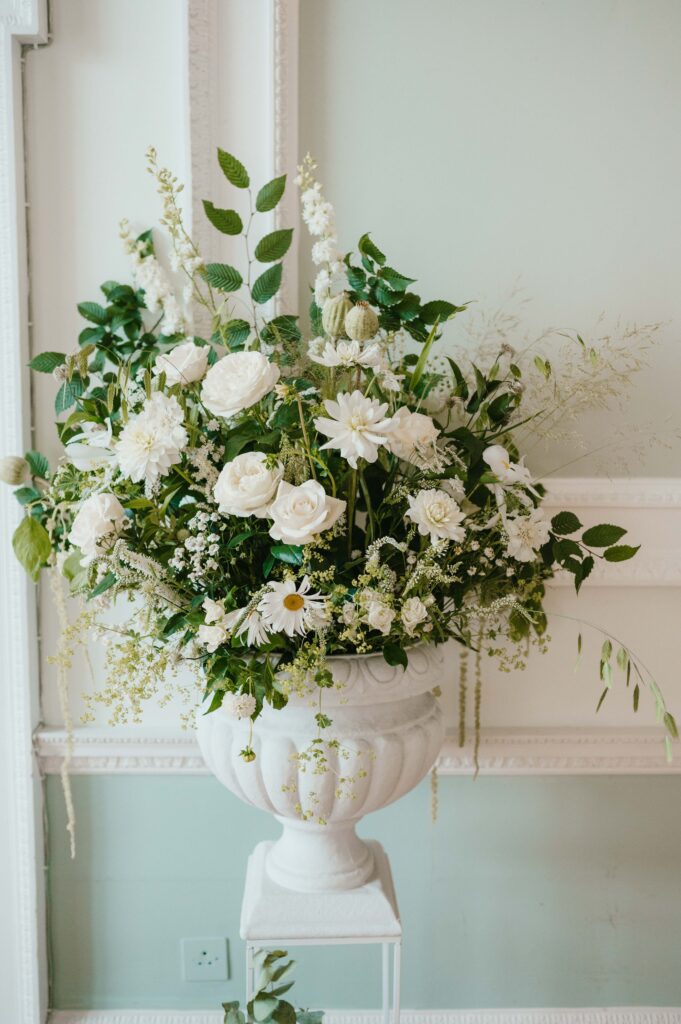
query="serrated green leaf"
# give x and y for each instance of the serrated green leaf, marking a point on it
(233, 169)
(565, 522)
(227, 221)
(368, 248)
(223, 277)
(267, 284)
(235, 332)
(603, 535)
(273, 246)
(270, 194)
(25, 495)
(280, 329)
(38, 463)
(620, 553)
(398, 282)
(67, 394)
(46, 362)
(31, 543)
(439, 309)
(93, 312)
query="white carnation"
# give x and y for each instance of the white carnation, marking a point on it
(184, 364)
(301, 513)
(100, 518)
(237, 382)
(247, 486)
(437, 514)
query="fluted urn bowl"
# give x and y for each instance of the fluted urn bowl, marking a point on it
(389, 728)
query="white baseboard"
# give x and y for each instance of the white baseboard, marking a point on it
(573, 751)
(609, 1015)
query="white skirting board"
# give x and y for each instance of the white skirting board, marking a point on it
(601, 1015)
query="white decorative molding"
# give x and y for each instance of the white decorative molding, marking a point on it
(635, 751)
(284, 91)
(23, 974)
(622, 492)
(581, 1015)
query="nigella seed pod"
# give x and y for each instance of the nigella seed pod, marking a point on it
(334, 313)
(361, 323)
(13, 470)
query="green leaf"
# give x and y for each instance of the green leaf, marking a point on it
(38, 463)
(31, 543)
(583, 572)
(280, 329)
(223, 277)
(67, 394)
(233, 169)
(290, 553)
(273, 246)
(395, 655)
(636, 696)
(602, 698)
(25, 495)
(671, 725)
(565, 522)
(284, 1013)
(439, 309)
(620, 553)
(367, 248)
(263, 1005)
(227, 221)
(235, 332)
(103, 585)
(93, 311)
(239, 538)
(267, 284)
(398, 282)
(46, 362)
(310, 1016)
(423, 357)
(602, 536)
(270, 194)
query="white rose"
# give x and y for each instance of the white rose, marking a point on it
(184, 364)
(413, 613)
(238, 381)
(300, 513)
(246, 486)
(435, 513)
(100, 515)
(212, 636)
(379, 616)
(215, 611)
(411, 435)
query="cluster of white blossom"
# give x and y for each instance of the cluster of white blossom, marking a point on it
(150, 276)
(319, 216)
(152, 441)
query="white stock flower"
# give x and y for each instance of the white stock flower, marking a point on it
(300, 513)
(238, 705)
(92, 448)
(526, 534)
(184, 364)
(507, 472)
(152, 441)
(237, 382)
(357, 426)
(437, 514)
(212, 636)
(379, 616)
(326, 251)
(413, 613)
(290, 609)
(412, 436)
(247, 486)
(250, 623)
(101, 517)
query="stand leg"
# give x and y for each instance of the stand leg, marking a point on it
(397, 968)
(386, 983)
(250, 972)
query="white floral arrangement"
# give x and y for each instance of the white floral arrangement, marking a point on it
(269, 498)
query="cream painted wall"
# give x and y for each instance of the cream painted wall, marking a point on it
(490, 145)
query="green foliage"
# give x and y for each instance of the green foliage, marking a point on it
(233, 169)
(38, 463)
(46, 362)
(267, 285)
(274, 246)
(270, 194)
(565, 522)
(32, 545)
(227, 221)
(602, 536)
(223, 277)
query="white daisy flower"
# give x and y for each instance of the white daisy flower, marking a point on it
(285, 608)
(357, 426)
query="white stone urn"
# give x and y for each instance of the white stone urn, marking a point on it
(389, 725)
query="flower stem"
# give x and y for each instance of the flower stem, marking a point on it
(352, 495)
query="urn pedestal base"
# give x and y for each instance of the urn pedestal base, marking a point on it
(319, 858)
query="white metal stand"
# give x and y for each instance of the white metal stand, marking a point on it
(272, 916)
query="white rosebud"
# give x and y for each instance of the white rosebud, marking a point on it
(14, 470)
(379, 616)
(100, 518)
(435, 513)
(247, 486)
(301, 513)
(412, 436)
(237, 382)
(184, 364)
(413, 613)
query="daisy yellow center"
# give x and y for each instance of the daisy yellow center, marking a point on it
(293, 602)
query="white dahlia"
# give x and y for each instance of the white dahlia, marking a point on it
(356, 425)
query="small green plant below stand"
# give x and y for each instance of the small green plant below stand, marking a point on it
(267, 1005)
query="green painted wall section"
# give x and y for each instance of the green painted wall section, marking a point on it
(526, 892)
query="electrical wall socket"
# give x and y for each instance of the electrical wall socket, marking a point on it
(205, 959)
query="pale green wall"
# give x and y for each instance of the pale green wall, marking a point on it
(526, 892)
